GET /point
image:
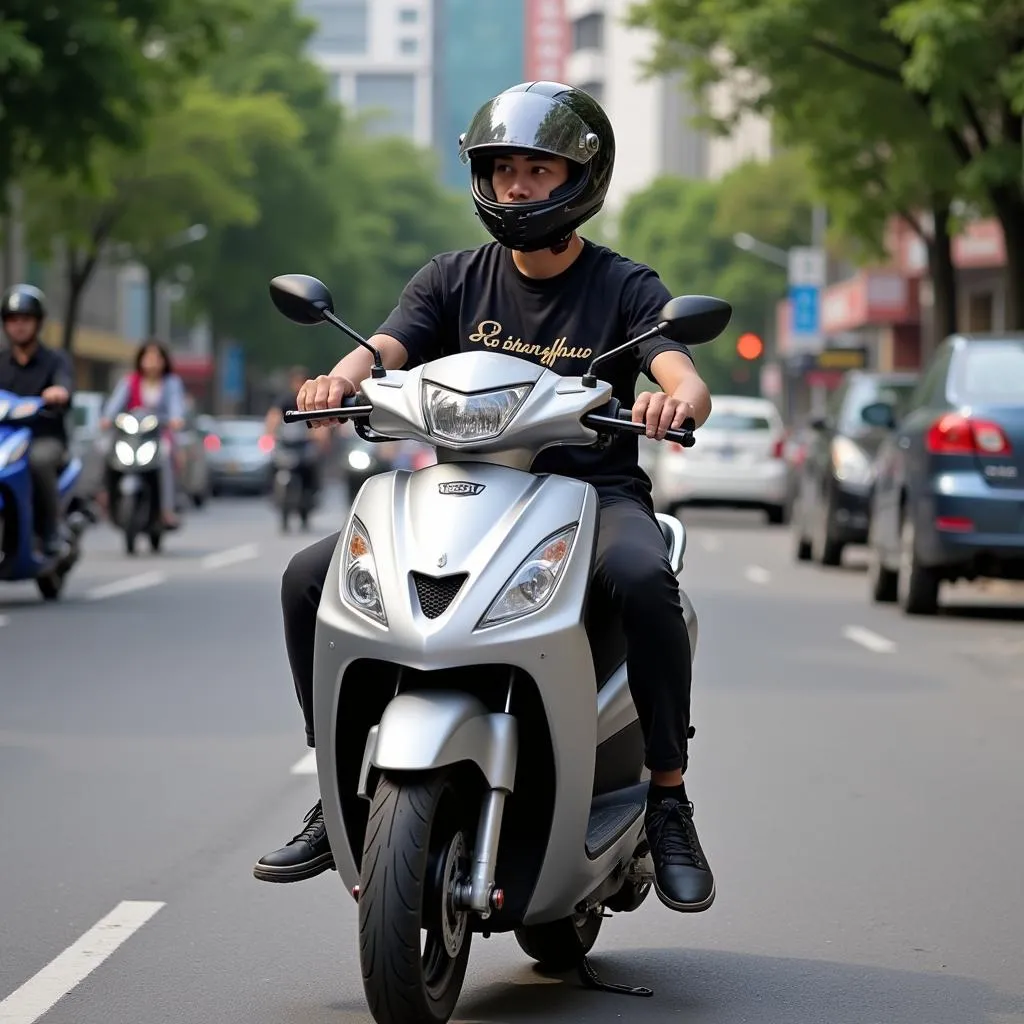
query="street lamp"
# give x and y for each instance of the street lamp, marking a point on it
(769, 253)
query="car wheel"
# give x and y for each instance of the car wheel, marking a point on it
(776, 514)
(917, 585)
(825, 549)
(883, 582)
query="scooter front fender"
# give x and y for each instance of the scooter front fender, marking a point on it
(424, 731)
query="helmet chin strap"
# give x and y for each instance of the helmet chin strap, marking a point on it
(559, 247)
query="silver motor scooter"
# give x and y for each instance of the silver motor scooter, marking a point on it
(479, 756)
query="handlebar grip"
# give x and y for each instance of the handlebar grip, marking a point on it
(624, 421)
(352, 407)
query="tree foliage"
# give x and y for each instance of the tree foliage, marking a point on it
(76, 74)
(921, 98)
(684, 229)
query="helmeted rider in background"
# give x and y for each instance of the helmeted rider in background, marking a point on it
(541, 156)
(30, 368)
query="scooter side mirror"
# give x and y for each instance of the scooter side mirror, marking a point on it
(301, 298)
(694, 319)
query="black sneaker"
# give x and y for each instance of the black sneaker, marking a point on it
(306, 856)
(682, 875)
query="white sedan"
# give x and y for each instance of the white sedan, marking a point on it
(737, 462)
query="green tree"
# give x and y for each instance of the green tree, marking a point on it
(959, 67)
(684, 229)
(193, 166)
(76, 74)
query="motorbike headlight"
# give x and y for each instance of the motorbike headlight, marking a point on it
(148, 422)
(13, 450)
(23, 409)
(849, 463)
(360, 587)
(125, 453)
(127, 422)
(453, 416)
(533, 583)
(147, 450)
(359, 460)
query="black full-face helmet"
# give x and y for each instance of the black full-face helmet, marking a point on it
(23, 300)
(542, 118)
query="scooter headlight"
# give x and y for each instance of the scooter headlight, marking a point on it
(127, 422)
(146, 453)
(360, 587)
(125, 453)
(14, 449)
(533, 583)
(23, 409)
(149, 422)
(359, 460)
(452, 416)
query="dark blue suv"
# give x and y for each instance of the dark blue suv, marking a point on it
(948, 500)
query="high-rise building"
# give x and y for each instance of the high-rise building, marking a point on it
(478, 52)
(378, 56)
(650, 116)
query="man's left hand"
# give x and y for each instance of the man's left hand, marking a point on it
(661, 413)
(55, 395)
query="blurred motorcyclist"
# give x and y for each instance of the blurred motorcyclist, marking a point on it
(29, 368)
(541, 156)
(308, 469)
(152, 385)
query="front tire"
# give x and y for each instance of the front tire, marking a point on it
(561, 945)
(417, 846)
(50, 585)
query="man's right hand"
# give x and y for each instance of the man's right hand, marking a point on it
(324, 393)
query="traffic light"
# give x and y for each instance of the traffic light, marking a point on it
(749, 346)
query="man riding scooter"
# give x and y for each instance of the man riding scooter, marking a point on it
(29, 368)
(542, 293)
(308, 470)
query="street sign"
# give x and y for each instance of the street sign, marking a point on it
(233, 373)
(807, 275)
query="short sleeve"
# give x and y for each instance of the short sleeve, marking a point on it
(643, 298)
(417, 319)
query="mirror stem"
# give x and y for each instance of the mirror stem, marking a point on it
(590, 381)
(378, 365)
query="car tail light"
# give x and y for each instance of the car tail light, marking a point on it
(957, 524)
(211, 442)
(266, 443)
(779, 450)
(954, 434)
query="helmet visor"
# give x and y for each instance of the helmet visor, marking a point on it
(529, 121)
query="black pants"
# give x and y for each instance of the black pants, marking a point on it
(45, 458)
(632, 563)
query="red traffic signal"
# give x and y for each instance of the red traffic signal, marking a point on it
(749, 346)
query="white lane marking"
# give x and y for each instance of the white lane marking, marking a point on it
(757, 574)
(28, 1003)
(220, 559)
(866, 638)
(4, 620)
(307, 766)
(710, 542)
(125, 586)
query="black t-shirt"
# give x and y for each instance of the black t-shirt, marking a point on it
(46, 368)
(477, 298)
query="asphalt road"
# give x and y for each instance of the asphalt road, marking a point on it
(856, 774)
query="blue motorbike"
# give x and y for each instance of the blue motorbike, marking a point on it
(19, 557)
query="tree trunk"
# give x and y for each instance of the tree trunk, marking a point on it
(78, 275)
(152, 290)
(943, 274)
(1010, 211)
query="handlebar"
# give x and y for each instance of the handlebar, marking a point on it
(624, 421)
(356, 407)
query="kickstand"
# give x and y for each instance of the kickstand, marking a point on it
(589, 979)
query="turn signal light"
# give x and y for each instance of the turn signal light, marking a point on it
(954, 434)
(266, 443)
(211, 442)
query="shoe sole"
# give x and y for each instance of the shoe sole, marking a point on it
(686, 908)
(296, 873)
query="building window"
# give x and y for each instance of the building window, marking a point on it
(588, 32)
(389, 101)
(343, 25)
(408, 16)
(595, 89)
(409, 45)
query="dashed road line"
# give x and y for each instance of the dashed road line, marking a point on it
(221, 559)
(757, 574)
(709, 542)
(4, 620)
(126, 586)
(866, 638)
(44, 989)
(307, 766)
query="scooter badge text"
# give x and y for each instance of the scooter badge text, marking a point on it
(464, 487)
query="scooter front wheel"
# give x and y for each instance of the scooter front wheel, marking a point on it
(413, 940)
